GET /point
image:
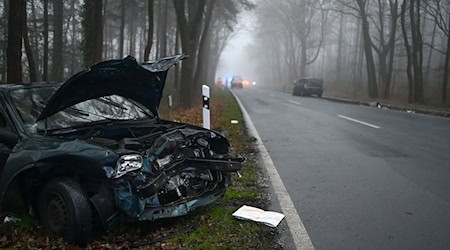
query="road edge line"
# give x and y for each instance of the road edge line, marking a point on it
(296, 227)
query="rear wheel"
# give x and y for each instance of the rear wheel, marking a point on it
(64, 211)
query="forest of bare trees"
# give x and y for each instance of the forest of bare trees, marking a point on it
(391, 49)
(379, 49)
(50, 40)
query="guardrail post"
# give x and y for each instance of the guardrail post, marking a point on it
(206, 107)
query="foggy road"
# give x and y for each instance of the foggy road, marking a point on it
(359, 177)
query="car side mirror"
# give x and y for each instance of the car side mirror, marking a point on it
(8, 137)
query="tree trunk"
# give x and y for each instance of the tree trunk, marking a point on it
(148, 47)
(370, 63)
(163, 30)
(32, 69)
(408, 53)
(303, 56)
(190, 34)
(447, 62)
(339, 52)
(416, 50)
(57, 58)
(430, 53)
(74, 45)
(122, 28)
(391, 48)
(132, 33)
(93, 31)
(202, 54)
(356, 59)
(177, 67)
(45, 56)
(35, 46)
(15, 33)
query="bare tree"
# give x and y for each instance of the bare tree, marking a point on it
(57, 58)
(417, 49)
(408, 53)
(93, 31)
(45, 56)
(32, 69)
(15, 34)
(440, 11)
(149, 44)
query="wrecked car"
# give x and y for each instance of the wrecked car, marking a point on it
(94, 149)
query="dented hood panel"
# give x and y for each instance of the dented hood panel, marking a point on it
(141, 83)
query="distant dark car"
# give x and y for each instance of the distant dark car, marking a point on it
(307, 87)
(237, 82)
(94, 149)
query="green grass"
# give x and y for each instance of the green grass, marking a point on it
(242, 194)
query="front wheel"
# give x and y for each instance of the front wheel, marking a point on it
(64, 211)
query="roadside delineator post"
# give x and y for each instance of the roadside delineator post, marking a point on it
(206, 107)
(170, 107)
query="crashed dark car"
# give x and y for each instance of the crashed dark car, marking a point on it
(94, 149)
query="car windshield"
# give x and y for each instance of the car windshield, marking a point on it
(30, 102)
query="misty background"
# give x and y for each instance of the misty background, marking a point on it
(394, 50)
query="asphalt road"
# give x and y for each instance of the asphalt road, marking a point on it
(359, 177)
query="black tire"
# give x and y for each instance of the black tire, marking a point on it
(302, 93)
(319, 95)
(64, 211)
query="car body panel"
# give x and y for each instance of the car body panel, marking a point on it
(143, 84)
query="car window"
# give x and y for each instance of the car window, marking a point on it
(30, 102)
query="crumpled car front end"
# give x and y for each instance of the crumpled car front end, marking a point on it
(181, 169)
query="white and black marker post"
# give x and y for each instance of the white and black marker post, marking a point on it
(170, 107)
(206, 110)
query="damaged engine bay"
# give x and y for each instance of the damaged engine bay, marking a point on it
(166, 172)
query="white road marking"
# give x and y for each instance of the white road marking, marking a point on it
(358, 121)
(294, 102)
(295, 224)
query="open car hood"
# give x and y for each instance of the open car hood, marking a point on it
(126, 77)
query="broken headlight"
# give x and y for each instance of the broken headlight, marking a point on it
(125, 164)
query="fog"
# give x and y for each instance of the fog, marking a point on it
(279, 42)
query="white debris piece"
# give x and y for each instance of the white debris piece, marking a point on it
(234, 121)
(269, 218)
(11, 219)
